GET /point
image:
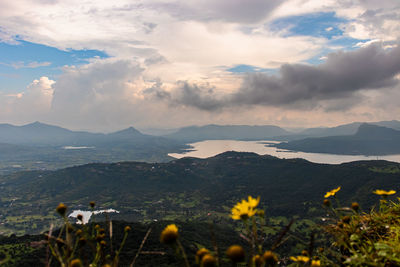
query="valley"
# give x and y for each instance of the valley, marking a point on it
(188, 188)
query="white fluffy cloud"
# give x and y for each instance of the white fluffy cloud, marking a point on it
(29, 105)
(367, 19)
(156, 46)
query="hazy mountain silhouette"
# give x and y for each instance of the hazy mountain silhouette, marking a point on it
(345, 129)
(368, 140)
(234, 132)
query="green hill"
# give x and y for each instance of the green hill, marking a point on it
(189, 188)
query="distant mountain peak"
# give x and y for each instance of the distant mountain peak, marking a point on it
(127, 132)
(371, 129)
(36, 123)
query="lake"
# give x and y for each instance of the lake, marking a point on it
(209, 148)
(77, 147)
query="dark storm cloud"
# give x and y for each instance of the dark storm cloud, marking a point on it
(342, 76)
(200, 97)
(186, 94)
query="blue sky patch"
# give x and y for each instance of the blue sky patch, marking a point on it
(21, 64)
(322, 24)
(346, 43)
(243, 68)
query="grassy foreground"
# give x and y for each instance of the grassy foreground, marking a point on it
(347, 236)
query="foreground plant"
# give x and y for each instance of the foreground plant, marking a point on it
(169, 236)
(357, 239)
(366, 238)
(255, 255)
(71, 245)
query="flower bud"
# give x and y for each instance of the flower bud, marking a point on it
(201, 253)
(355, 206)
(76, 263)
(258, 260)
(61, 209)
(169, 234)
(270, 258)
(208, 261)
(236, 253)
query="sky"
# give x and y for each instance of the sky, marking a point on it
(107, 65)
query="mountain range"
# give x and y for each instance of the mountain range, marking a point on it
(44, 134)
(42, 146)
(368, 140)
(345, 129)
(223, 132)
(39, 134)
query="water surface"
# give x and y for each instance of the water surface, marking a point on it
(210, 148)
(76, 147)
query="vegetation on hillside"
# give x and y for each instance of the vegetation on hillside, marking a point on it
(188, 189)
(346, 236)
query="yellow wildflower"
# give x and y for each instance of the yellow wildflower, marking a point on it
(253, 202)
(332, 192)
(245, 209)
(300, 258)
(315, 263)
(169, 234)
(242, 211)
(384, 193)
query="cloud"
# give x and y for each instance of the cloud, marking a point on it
(155, 43)
(197, 96)
(377, 23)
(367, 19)
(301, 86)
(30, 65)
(111, 94)
(29, 105)
(6, 37)
(99, 93)
(237, 11)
